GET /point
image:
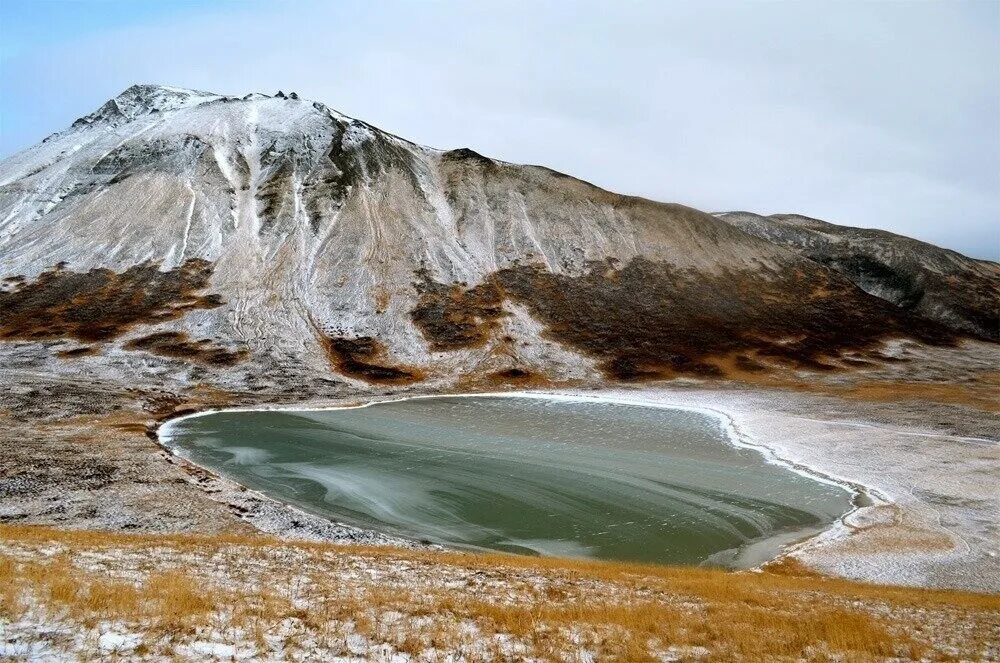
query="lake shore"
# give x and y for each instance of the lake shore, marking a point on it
(895, 534)
(660, 440)
(84, 460)
(92, 505)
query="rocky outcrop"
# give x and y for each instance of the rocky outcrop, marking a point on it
(961, 293)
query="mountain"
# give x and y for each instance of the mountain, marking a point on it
(177, 234)
(934, 283)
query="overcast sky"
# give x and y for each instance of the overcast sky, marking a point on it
(874, 114)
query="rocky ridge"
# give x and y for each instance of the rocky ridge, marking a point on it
(931, 282)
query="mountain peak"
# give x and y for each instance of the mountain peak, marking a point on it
(270, 230)
(145, 98)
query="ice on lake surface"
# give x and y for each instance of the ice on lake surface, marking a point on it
(553, 477)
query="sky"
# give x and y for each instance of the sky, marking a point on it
(870, 114)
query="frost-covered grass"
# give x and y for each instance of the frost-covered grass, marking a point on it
(93, 595)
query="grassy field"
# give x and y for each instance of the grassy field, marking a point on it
(258, 596)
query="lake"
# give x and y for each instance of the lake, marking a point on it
(525, 475)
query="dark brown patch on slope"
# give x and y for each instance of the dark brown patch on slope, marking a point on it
(180, 345)
(650, 320)
(80, 351)
(12, 281)
(275, 195)
(452, 317)
(101, 304)
(465, 154)
(518, 376)
(366, 358)
(938, 284)
(966, 301)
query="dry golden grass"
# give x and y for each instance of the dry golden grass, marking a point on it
(10, 604)
(787, 574)
(166, 602)
(980, 393)
(178, 599)
(622, 611)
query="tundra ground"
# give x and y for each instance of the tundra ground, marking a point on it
(93, 595)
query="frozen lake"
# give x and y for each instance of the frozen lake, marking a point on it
(526, 475)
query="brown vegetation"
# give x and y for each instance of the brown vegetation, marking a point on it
(180, 345)
(452, 317)
(520, 377)
(415, 600)
(79, 351)
(982, 394)
(650, 320)
(165, 602)
(101, 304)
(978, 390)
(508, 379)
(366, 358)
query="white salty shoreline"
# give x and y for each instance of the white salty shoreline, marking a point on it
(933, 495)
(752, 555)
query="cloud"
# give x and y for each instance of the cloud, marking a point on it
(867, 114)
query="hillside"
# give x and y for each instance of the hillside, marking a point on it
(933, 283)
(271, 240)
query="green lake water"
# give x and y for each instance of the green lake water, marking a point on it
(526, 475)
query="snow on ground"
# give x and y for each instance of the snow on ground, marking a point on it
(86, 596)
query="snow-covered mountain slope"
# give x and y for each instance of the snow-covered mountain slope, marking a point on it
(960, 292)
(189, 233)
